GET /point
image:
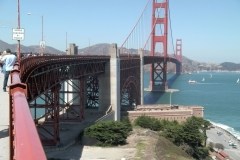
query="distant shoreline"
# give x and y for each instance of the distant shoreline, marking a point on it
(223, 129)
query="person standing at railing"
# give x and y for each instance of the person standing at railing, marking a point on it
(3, 66)
(9, 60)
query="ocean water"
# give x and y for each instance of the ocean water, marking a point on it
(217, 92)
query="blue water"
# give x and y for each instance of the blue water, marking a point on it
(219, 94)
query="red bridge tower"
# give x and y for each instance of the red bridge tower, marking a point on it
(158, 79)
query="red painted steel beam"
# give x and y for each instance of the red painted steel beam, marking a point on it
(25, 142)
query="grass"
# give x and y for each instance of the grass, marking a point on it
(140, 149)
(166, 150)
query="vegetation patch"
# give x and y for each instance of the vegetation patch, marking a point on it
(140, 149)
(109, 133)
(166, 150)
(190, 136)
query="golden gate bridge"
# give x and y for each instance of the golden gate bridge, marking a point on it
(63, 88)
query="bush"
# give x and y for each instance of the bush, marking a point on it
(200, 153)
(109, 133)
(211, 146)
(219, 146)
(148, 122)
(127, 122)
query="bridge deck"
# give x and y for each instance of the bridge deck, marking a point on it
(4, 121)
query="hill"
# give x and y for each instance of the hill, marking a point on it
(230, 66)
(141, 144)
(98, 49)
(103, 48)
(28, 49)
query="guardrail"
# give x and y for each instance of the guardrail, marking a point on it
(24, 139)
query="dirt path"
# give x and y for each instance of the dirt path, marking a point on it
(140, 145)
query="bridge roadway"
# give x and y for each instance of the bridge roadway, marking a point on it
(4, 122)
(69, 131)
(64, 61)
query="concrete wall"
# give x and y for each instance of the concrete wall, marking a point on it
(72, 50)
(104, 89)
(180, 114)
(115, 81)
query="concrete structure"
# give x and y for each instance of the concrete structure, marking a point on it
(73, 49)
(115, 81)
(142, 75)
(177, 113)
(68, 85)
(104, 89)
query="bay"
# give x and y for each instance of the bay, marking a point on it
(217, 92)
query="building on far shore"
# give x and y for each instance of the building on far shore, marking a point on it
(164, 111)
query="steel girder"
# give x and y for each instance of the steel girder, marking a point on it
(130, 82)
(49, 132)
(45, 78)
(72, 100)
(92, 92)
(56, 71)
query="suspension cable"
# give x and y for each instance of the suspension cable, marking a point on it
(136, 24)
(171, 29)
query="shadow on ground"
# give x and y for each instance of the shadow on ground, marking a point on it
(4, 133)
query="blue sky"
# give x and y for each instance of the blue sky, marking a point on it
(209, 28)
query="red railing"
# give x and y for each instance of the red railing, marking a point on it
(24, 139)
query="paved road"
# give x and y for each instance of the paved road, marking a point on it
(4, 122)
(224, 139)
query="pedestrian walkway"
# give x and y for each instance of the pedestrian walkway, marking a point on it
(4, 122)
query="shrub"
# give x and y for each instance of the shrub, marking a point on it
(200, 153)
(127, 122)
(148, 122)
(108, 133)
(219, 146)
(211, 146)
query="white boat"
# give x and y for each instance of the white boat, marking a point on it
(238, 80)
(192, 82)
(203, 79)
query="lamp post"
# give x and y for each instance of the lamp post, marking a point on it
(170, 96)
(18, 17)
(42, 42)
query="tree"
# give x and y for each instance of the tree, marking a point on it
(200, 152)
(174, 132)
(205, 127)
(211, 146)
(219, 146)
(191, 132)
(149, 122)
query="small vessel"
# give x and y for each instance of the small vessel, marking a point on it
(203, 79)
(192, 82)
(238, 81)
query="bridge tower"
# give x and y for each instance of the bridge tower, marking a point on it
(158, 79)
(179, 55)
(179, 49)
